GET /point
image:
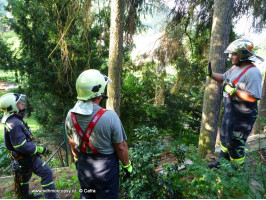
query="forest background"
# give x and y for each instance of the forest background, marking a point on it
(47, 44)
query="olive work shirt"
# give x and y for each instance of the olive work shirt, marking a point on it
(107, 131)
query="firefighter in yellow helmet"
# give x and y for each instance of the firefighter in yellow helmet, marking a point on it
(97, 139)
(241, 91)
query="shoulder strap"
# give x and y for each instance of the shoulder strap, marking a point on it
(242, 73)
(233, 69)
(85, 137)
(76, 125)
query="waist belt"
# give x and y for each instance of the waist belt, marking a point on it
(86, 137)
(17, 158)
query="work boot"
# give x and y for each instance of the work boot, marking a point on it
(216, 164)
(35, 196)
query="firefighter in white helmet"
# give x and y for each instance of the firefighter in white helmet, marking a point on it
(25, 154)
(241, 91)
(97, 139)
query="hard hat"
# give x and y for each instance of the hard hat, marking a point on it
(8, 103)
(90, 84)
(244, 49)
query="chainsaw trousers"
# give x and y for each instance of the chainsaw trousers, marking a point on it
(41, 169)
(237, 124)
(98, 176)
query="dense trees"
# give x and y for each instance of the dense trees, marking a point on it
(59, 39)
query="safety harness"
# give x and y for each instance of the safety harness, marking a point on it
(86, 137)
(240, 75)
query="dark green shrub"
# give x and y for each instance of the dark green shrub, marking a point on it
(4, 158)
(147, 180)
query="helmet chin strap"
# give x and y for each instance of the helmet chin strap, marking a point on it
(22, 111)
(239, 63)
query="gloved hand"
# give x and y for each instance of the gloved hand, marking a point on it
(128, 170)
(229, 88)
(43, 150)
(210, 72)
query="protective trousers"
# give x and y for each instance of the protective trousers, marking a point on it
(40, 168)
(237, 124)
(98, 176)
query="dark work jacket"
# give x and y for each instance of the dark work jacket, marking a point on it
(18, 137)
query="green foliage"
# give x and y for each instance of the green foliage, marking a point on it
(4, 158)
(66, 182)
(5, 54)
(9, 194)
(179, 113)
(155, 176)
(7, 76)
(57, 42)
(146, 182)
(224, 183)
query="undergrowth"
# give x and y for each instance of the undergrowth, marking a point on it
(152, 178)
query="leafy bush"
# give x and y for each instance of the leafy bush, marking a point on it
(223, 183)
(4, 158)
(153, 178)
(138, 108)
(146, 181)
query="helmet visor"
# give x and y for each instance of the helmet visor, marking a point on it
(22, 97)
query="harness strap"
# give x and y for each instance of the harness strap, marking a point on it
(233, 69)
(242, 73)
(17, 158)
(239, 76)
(86, 137)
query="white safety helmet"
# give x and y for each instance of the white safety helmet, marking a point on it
(8, 103)
(244, 49)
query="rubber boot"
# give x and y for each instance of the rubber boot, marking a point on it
(216, 164)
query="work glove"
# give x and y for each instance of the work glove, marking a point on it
(229, 88)
(128, 170)
(42, 150)
(210, 72)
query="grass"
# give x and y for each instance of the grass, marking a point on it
(33, 124)
(7, 76)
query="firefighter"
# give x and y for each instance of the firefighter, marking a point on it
(19, 140)
(97, 139)
(241, 91)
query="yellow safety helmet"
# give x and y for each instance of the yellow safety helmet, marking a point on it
(90, 84)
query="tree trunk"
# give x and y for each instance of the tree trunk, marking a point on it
(115, 55)
(160, 86)
(260, 124)
(212, 98)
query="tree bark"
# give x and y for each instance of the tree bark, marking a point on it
(260, 124)
(115, 55)
(212, 98)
